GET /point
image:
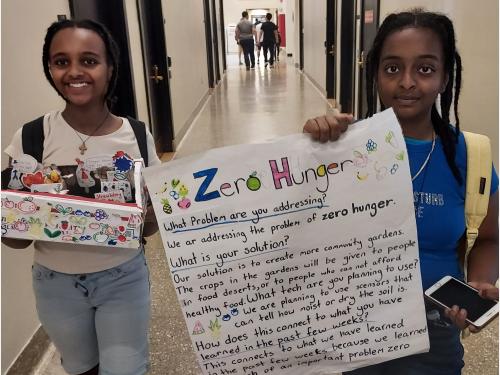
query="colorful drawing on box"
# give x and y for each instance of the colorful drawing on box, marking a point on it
(83, 176)
(23, 218)
(101, 215)
(123, 163)
(32, 179)
(15, 180)
(63, 210)
(27, 206)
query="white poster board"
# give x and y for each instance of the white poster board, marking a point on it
(295, 257)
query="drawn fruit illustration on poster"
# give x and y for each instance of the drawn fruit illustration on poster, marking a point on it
(183, 191)
(371, 146)
(253, 182)
(391, 139)
(184, 203)
(361, 177)
(360, 160)
(166, 206)
(198, 328)
(215, 328)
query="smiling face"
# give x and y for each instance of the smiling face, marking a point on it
(411, 74)
(78, 66)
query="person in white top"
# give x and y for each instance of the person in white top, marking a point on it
(93, 301)
(260, 35)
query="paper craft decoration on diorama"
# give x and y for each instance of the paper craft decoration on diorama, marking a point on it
(100, 201)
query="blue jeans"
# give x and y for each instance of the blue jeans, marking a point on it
(100, 317)
(445, 356)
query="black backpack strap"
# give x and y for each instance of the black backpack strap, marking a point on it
(139, 129)
(33, 137)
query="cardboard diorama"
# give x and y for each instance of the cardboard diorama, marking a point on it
(100, 201)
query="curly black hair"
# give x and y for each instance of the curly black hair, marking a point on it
(443, 28)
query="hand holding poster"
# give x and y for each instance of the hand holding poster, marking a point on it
(295, 257)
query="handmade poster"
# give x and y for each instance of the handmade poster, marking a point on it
(72, 219)
(295, 257)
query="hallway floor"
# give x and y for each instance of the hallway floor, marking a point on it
(247, 107)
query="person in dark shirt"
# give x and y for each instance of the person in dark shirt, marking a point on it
(269, 40)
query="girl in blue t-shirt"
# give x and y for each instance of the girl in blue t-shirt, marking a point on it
(414, 60)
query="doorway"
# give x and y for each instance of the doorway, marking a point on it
(369, 23)
(222, 35)
(111, 13)
(331, 49)
(215, 40)
(208, 40)
(347, 46)
(156, 73)
(301, 35)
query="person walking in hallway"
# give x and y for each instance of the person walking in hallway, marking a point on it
(258, 25)
(245, 33)
(269, 39)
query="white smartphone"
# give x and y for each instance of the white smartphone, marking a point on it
(449, 291)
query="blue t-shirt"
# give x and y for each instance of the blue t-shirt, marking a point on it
(439, 208)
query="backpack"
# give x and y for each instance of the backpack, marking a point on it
(478, 184)
(33, 137)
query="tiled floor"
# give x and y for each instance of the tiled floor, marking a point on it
(247, 107)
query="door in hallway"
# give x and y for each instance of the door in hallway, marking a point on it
(347, 47)
(369, 27)
(208, 36)
(156, 66)
(331, 49)
(111, 13)
(301, 34)
(222, 36)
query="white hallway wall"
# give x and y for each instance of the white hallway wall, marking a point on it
(476, 27)
(25, 95)
(185, 39)
(314, 19)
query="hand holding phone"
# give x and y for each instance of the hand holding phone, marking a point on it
(449, 292)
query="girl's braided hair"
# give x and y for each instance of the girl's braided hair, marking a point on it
(443, 29)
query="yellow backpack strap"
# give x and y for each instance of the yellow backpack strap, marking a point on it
(478, 184)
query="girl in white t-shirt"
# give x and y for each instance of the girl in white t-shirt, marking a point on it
(93, 301)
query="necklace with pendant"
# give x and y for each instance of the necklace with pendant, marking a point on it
(83, 146)
(426, 161)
